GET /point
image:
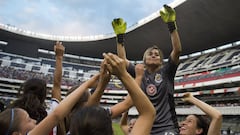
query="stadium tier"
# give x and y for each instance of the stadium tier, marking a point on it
(217, 84)
(222, 78)
(209, 67)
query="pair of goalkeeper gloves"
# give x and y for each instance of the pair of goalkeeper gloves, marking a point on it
(168, 16)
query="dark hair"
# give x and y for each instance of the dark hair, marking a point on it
(83, 99)
(202, 123)
(93, 120)
(1, 106)
(33, 98)
(9, 121)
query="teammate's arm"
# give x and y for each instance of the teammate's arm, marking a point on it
(145, 108)
(103, 80)
(59, 50)
(124, 123)
(57, 78)
(216, 116)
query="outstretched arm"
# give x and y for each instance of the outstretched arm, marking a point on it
(65, 106)
(139, 71)
(145, 108)
(104, 78)
(168, 15)
(176, 47)
(121, 107)
(57, 78)
(119, 27)
(127, 103)
(124, 123)
(59, 51)
(216, 116)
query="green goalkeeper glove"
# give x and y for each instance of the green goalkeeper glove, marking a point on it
(168, 15)
(119, 27)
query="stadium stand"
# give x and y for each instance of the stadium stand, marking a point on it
(212, 75)
(217, 84)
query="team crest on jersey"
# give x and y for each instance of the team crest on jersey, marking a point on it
(151, 90)
(158, 78)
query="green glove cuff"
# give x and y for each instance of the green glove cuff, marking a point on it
(121, 38)
(172, 26)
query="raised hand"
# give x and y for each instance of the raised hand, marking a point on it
(168, 16)
(114, 64)
(139, 70)
(187, 96)
(104, 74)
(119, 27)
(59, 49)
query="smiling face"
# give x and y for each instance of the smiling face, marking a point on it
(189, 126)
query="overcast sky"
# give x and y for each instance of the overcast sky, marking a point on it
(74, 17)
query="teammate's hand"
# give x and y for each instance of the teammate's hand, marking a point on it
(114, 64)
(59, 49)
(104, 74)
(139, 70)
(187, 97)
(119, 26)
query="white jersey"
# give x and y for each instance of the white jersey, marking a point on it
(51, 106)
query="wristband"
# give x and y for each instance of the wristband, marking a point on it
(121, 38)
(172, 26)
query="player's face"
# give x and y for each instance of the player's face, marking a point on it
(27, 123)
(153, 57)
(189, 126)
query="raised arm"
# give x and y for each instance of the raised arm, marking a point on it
(124, 123)
(59, 51)
(176, 47)
(119, 108)
(145, 108)
(65, 106)
(139, 71)
(104, 78)
(216, 116)
(119, 27)
(168, 15)
(127, 103)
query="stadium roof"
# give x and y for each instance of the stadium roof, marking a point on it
(202, 25)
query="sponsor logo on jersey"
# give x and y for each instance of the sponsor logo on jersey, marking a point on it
(151, 90)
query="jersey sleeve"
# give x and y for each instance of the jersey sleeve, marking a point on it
(131, 70)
